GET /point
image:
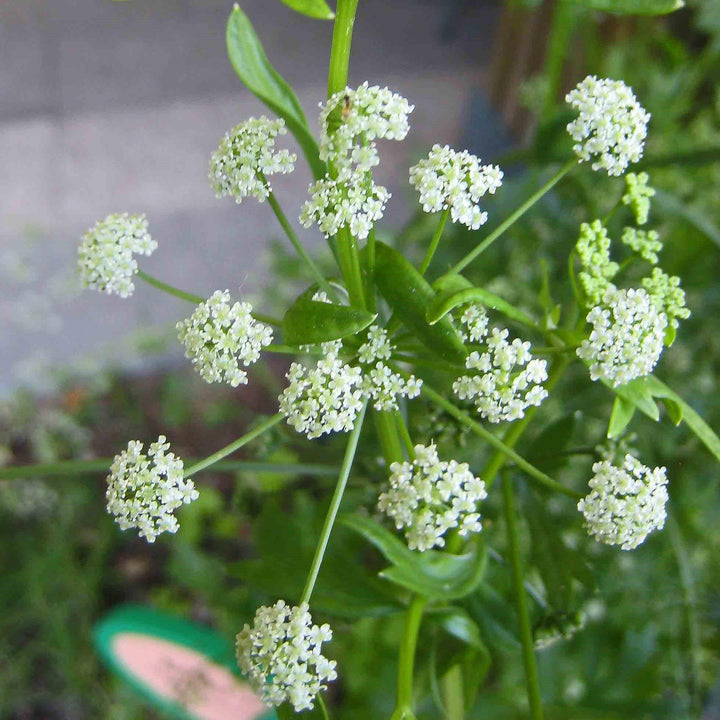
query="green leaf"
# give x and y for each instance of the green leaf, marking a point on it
(456, 622)
(546, 451)
(432, 574)
(285, 543)
(312, 8)
(632, 7)
(409, 295)
(702, 430)
(446, 302)
(637, 393)
(260, 77)
(622, 413)
(309, 321)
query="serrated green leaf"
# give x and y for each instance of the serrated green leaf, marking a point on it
(622, 413)
(632, 7)
(409, 295)
(431, 574)
(260, 77)
(456, 622)
(674, 410)
(702, 430)
(308, 321)
(317, 9)
(446, 302)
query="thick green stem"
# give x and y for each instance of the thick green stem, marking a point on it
(500, 229)
(503, 448)
(434, 242)
(533, 686)
(406, 661)
(334, 506)
(341, 41)
(453, 693)
(301, 251)
(169, 289)
(235, 445)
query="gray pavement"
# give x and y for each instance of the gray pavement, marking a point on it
(116, 106)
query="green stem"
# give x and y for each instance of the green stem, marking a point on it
(533, 686)
(387, 433)
(406, 660)
(453, 693)
(235, 445)
(334, 506)
(292, 236)
(504, 449)
(500, 229)
(89, 467)
(405, 435)
(341, 41)
(434, 242)
(169, 289)
(350, 266)
(370, 268)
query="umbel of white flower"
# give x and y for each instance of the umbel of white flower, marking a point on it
(667, 295)
(352, 120)
(356, 203)
(281, 655)
(427, 497)
(246, 156)
(219, 337)
(627, 336)
(645, 243)
(105, 255)
(612, 125)
(380, 383)
(625, 503)
(145, 490)
(456, 180)
(323, 399)
(507, 379)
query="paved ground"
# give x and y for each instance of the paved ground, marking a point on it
(116, 106)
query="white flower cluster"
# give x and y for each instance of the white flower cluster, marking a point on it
(324, 399)
(627, 336)
(507, 381)
(455, 180)
(611, 127)
(105, 255)
(144, 490)
(428, 497)
(328, 397)
(380, 383)
(245, 155)
(357, 204)
(667, 295)
(637, 195)
(219, 337)
(352, 120)
(281, 655)
(475, 320)
(625, 504)
(644, 242)
(593, 249)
